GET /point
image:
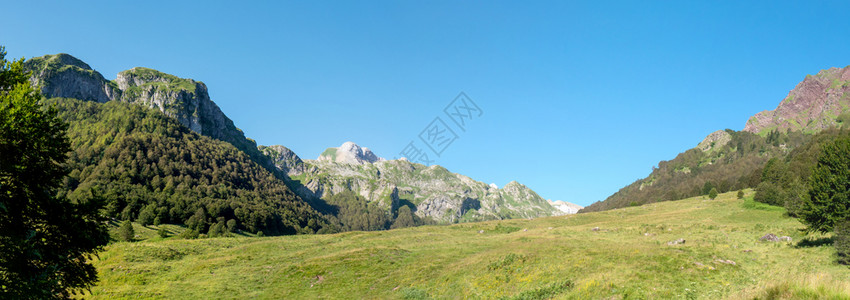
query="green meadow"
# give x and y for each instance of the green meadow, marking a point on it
(619, 254)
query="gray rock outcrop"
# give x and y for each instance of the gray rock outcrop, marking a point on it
(185, 100)
(433, 191)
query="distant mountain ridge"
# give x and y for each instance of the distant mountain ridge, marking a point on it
(729, 160)
(431, 192)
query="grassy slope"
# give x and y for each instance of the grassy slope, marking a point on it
(627, 257)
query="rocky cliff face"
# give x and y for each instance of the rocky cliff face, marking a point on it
(186, 100)
(433, 190)
(65, 76)
(284, 159)
(814, 104)
(715, 140)
(350, 153)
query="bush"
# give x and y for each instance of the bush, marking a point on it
(712, 194)
(162, 232)
(769, 193)
(740, 194)
(190, 234)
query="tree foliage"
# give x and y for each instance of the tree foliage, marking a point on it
(46, 241)
(735, 165)
(150, 168)
(126, 231)
(712, 194)
(829, 193)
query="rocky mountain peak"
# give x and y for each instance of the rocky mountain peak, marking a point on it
(564, 207)
(62, 75)
(716, 139)
(349, 153)
(814, 104)
(186, 100)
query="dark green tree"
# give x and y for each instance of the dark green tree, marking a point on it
(829, 188)
(231, 225)
(740, 194)
(46, 240)
(126, 232)
(712, 193)
(404, 219)
(707, 187)
(217, 230)
(146, 216)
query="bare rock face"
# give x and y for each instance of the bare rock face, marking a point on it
(185, 100)
(716, 139)
(350, 153)
(811, 106)
(431, 191)
(283, 159)
(565, 208)
(62, 75)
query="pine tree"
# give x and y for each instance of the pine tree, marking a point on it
(404, 219)
(829, 190)
(126, 232)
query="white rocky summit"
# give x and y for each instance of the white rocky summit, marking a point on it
(350, 153)
(565, 207)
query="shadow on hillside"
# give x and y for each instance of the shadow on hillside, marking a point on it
(817, 242)
(317, 203)
(405, 202)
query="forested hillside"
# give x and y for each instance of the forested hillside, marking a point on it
(152, 169)
(732, 160)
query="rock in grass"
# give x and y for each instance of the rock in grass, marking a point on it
(676, 242)
(770, 237)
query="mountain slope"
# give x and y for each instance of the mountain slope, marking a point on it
(627, 257)
(186, 100)
(730, 160)
(140, 160)
(431, 191)
(813, 105)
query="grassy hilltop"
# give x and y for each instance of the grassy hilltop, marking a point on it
(617, 254)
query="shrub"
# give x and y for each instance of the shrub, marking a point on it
(712, 194)
(190, 234)
(162, 232)
(740, 194)
(769, 193)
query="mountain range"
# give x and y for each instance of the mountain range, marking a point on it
(107, 116)
(731, 160)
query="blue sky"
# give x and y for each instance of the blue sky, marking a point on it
(579, 98)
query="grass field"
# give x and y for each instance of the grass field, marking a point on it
(619, 254)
